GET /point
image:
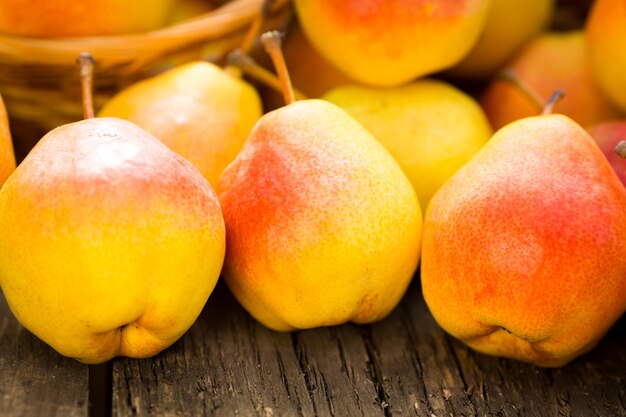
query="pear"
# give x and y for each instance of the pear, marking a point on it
(388, 43)
(551, 60)
(510, 24)
(7, 155)
(523, 251)
(323, 226)
(198, 110)
(430, 127)
(110, 243)
(71, 18)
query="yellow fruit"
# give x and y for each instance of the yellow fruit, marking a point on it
(430, 127)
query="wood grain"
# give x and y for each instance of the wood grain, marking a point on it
(34, 379)
(228, 364)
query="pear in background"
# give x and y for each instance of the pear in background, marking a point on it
(555, 60)
(606, 37)
(7, 156)
(391, 42)
(198, 110)
(72, 18)
(510, 24)
(430, 127)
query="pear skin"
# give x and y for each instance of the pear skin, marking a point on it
(523, 251)
(510, 24)
(198, 110)
(606, 36)
(391, 42)
(7, 155)
(430, 127)
(323, 226)
(70, 18)
(110, 243)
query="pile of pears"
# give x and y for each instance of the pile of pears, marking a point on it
(115, 229)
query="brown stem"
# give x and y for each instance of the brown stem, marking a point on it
(85, 65)
(554, 98)
(252, 69)
(272, 43)
(620, 149)
(255, 26)
(509, 75)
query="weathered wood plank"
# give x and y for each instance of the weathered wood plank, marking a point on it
(430, 373)
(34, 379)
(228, 364)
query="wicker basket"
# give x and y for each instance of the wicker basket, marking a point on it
(39, 80)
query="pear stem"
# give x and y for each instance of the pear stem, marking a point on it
(272, 42)
(620, 149)
(510, 75)
(255, 26)
(85, 64)
(554, 98)
(252, 69)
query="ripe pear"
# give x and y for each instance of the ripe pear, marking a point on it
(510, 24)
(430, 127)
(606, 35)
(391, 42)
(607, 135)
(110, 243)
(523, 251)
(71, 18)
(323, 226)
(7, 155)
(198, 110)
(551, 61)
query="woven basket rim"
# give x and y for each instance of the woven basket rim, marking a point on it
(120, 49)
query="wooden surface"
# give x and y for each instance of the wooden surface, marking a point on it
(229, 365)
(34, 379)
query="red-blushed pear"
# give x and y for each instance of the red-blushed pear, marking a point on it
(550, 61)
(110, 243)
(7, 156)
(523, 250)
(606, 37)
(323, 226)
(607, 135)
(509, 25)
(391, 42)
(71, 18)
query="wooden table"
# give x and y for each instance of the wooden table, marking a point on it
(229, 365)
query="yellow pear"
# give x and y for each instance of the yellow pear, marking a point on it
(198, 110)
(72, 18)
(7, 156)
(390, 42)
(430, 127)
(110, 243)
(606, 36)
